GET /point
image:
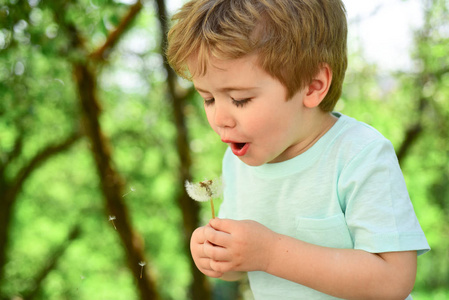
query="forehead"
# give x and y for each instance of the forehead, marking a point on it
(242, 75)
(205, 66)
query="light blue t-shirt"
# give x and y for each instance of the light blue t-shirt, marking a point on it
(346, 191)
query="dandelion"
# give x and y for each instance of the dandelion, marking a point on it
(141, 264)
(205, 191)
(111, 219)
(131, 190)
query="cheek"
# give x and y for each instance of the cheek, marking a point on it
(257, 124)
(210, 118)
(272, 125)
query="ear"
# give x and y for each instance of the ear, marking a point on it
(318, 88)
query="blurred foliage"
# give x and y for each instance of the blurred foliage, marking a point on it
(38, 104)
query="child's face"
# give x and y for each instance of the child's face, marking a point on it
(248, 109)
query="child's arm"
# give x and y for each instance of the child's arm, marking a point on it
(344, 273)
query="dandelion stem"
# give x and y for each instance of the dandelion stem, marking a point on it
(213, 209)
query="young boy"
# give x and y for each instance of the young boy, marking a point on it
(315, 205)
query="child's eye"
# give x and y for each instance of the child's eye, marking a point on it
(241, 103)
(208, 102)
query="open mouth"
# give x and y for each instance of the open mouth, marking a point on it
(239, 149)
(239, 145)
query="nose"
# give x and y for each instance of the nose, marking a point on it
(222, 115)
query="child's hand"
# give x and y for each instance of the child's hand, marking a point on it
(198, 242)
(237, 245)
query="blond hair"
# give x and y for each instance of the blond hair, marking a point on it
(292, 38)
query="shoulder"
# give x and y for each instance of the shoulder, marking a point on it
(355, 138)
(357, 132)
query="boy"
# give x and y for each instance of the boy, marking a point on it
(315, 205)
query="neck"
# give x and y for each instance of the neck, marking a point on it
(324, 122)
(318, 124)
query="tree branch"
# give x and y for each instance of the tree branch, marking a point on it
(16, 150)
(53, 260)
(10, 190)
(411, 135)
(40, 158)
(115, 35)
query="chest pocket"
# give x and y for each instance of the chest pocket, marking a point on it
(328, 232)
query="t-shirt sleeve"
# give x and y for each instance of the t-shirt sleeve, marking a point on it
(377, 207)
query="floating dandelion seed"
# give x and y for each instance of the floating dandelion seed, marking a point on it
(82, 278)
(205, 191)
(59, 80)
(131, 190)
(141, 264)
(111, 219)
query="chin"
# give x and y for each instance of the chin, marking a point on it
(251, 162)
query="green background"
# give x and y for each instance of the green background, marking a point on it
(40, 107)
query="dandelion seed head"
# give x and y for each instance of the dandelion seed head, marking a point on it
(111, 218)
(196, 192)
(204, 190)
(142, 263)
(217, 188)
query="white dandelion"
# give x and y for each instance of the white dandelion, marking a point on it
(141, 264)
(205, 191)
(111, 219)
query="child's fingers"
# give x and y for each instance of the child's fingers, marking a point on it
(197, 243)
(204, 265)
(198, 235)
(216, 252)
(197, 250)
(212, 273)
(221, 266)
(225, 225)
(215, 237)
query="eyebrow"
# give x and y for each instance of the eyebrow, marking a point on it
(229, 89)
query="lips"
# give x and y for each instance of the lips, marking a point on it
(238, 148)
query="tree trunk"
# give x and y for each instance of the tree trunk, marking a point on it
(200, 288)
(111, 182)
